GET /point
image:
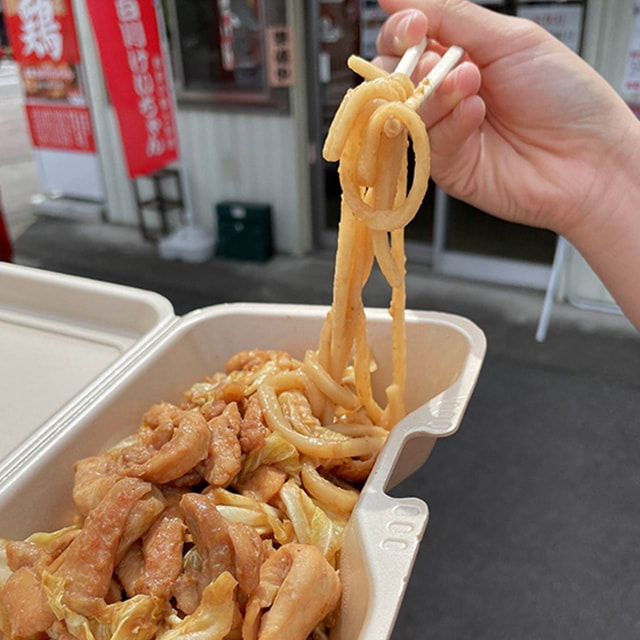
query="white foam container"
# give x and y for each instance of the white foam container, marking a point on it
(59, 336)
(445, 356)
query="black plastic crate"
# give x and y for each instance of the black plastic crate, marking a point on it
(244, 231)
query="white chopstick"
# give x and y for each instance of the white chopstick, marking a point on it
(409, 60)
(448, 61)
(429, 84)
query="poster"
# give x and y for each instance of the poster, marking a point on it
(631, 75)
(137, 80)
(43, 37)
(562, 21)
(372, 17)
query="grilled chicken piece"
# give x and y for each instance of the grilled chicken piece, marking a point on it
(293, 574)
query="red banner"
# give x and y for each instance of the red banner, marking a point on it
(137, 80)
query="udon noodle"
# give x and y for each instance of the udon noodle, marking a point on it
(369, 136)
(222, 517)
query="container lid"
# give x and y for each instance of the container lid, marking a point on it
(60, 336)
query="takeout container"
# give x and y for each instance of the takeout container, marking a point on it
(445, 355)
(59, 335)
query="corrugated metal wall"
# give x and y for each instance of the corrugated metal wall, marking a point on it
(231, 156)
(228, 155)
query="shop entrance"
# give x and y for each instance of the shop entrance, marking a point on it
(335, 30)
(452, 237)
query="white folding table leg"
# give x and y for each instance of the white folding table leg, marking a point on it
(558, 262)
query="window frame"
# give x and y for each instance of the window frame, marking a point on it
(267, 99)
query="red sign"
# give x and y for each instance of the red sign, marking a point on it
(43, 38)
(61, 127)
(136, 76)
(41, 31)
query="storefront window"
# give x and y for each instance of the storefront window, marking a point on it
(219, 50)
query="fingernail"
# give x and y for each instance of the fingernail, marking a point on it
(403, 29)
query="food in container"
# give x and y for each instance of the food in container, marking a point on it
(445, 355)
(223, 512)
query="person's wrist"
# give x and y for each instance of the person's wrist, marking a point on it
(611, 210)
(609, 237)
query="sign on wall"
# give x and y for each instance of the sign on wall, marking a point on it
(631, 74)
(564, 21)
(137, 80)
(43, 37)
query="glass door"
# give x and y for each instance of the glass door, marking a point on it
(337, 29)
(454, 238)
(471, 244)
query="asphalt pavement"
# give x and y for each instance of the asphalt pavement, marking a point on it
(534, 502)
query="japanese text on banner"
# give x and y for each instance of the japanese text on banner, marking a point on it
(41, 31)
(136, 76)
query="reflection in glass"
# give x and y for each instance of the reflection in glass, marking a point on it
(220, 44)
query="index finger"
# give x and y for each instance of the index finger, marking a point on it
(403, 29)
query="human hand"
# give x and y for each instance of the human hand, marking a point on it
(524, 129)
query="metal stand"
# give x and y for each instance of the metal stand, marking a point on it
(558, 264)
(159, 202)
